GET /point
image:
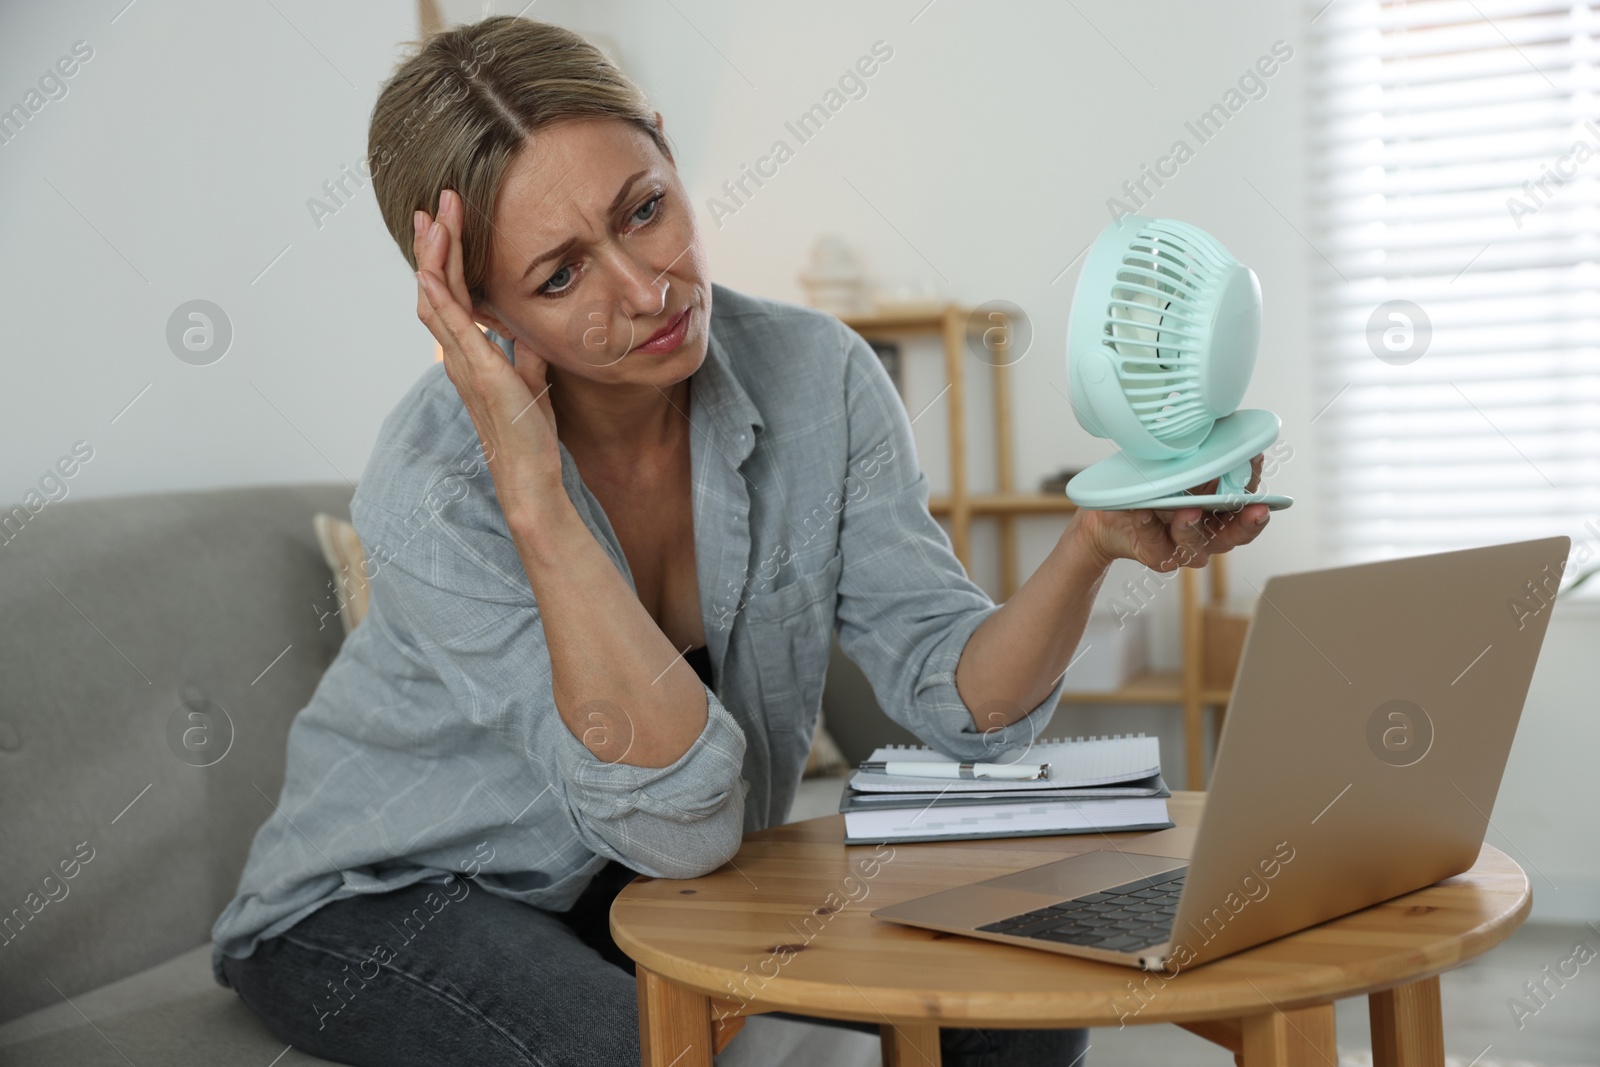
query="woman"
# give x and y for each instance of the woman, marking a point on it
(609, 556)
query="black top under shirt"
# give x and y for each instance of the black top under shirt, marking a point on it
(700, 660)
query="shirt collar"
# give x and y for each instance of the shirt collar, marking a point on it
(718, 403)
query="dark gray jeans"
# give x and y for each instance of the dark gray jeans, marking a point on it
(463, 976)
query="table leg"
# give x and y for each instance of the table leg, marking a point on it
(910, 1045)
(1303, 1037)
(726, 1022)
(1407, 1025)
(674, 1023)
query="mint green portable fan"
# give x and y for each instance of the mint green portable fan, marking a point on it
(1160, 345)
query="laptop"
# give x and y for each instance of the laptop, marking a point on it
(1371, 718)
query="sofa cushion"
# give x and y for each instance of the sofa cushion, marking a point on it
(347, 560)
(172, 1014)
(144, 638)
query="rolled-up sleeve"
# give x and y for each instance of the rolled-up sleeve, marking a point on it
(453, 590)
(906, 607)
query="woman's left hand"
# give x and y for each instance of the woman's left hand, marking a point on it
(1166, 540)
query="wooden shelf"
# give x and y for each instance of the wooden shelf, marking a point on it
(932, 318)
(1007, 504)
(1151, 687)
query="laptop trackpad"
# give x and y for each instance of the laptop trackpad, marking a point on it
(1086, 873)
(1177, 842)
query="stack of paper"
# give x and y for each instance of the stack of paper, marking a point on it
(1095, 784)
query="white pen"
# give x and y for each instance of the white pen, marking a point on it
(1015, 772)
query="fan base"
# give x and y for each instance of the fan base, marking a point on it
(1209, 501)
(1121, 482)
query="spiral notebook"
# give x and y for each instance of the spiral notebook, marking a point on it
(1015, 818)
(1075, 763)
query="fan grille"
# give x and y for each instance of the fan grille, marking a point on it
(1156, 324)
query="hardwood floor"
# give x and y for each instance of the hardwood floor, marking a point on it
(1478, 1024)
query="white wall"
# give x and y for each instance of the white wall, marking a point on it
(177, 167)
(978, 165)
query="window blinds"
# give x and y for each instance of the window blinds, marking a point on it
(1455, 189)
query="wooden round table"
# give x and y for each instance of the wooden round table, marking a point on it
(784, 926)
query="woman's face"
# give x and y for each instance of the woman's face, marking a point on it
(594, 252)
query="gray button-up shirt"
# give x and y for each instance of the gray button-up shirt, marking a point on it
(432, 747)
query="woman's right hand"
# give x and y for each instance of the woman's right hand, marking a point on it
(509, 406)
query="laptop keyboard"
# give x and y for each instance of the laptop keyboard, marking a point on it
(1123, 918)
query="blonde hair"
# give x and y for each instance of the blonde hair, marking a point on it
(459, 109)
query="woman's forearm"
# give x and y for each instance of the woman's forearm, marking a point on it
(620, 686)
(1016, 657)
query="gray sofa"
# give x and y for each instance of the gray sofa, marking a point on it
(154, 650)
